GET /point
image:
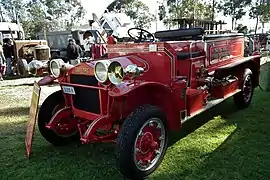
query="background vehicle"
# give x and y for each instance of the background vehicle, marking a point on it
(115, 23)
(58, 42)
(10, 28)
(6, 28)
(145, 89)
(31, 57)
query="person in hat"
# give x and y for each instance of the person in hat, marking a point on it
(74, 52)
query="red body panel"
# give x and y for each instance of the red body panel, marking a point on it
(176, 85)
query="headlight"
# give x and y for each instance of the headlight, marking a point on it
(56, 67)
(34, 65)
(115, 73)
(101, 71)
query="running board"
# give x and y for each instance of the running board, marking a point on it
(209, 105)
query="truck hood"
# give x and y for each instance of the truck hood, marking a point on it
(87, 68)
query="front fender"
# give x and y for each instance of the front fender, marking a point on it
(46, 80)
(127, 87)
(153, 93)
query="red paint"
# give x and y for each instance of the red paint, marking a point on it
(2, 70)
(194, 100)
(111, 40)
(98, 50)
(46, 80)
(222, 90)
(175, 85)
(147, 144)
(62, 123)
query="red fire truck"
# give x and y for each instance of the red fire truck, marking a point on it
(142, 91)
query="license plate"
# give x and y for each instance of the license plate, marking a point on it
(68, 90)
(32, 119)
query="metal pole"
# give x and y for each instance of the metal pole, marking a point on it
(213, 10)
(195, 6)
(157, 19)
(194, 12)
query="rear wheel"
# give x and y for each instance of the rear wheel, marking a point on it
(66, 130)
(244, 97)
(142, 142)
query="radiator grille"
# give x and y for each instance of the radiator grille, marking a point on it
(86, 99)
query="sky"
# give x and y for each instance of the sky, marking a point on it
(99, 6)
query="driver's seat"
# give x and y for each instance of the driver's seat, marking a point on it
(180, 34)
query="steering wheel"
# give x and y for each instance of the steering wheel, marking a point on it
(140, 35)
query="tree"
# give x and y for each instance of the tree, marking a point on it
(136, 10)
(185, 9)
(255, 12)
(116, 5)
(39, 15)
(260, 11)
(12, 6)
(234, 8)
(63, 13)
(139, 13)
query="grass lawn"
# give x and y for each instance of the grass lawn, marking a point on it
(223, 143)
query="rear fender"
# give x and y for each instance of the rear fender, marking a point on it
(152, 93)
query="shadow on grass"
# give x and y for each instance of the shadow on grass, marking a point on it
(243, 154)
(14, 111)
(17, 77)
(49, 162)
(224, 109)
(93, 160)
(18, 84)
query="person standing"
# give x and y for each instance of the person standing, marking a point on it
(111, 38)
(2, 61)
(8, 49)
(89, 41)
(74, 52)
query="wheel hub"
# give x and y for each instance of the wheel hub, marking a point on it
(247, 88)
(149, 144)
(62, 123)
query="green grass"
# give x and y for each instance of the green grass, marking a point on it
(223, 143)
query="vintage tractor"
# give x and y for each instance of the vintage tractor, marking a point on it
(31, 57)
(142, 91)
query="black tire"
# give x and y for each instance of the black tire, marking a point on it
(47, 110)
(22, 68)
(244, 97)
(126, 139)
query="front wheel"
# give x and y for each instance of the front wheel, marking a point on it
(66, 130)
(244, 97)
(142, 142)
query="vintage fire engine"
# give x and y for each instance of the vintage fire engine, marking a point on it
(142, 91)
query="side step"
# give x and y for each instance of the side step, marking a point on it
(209, 105)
